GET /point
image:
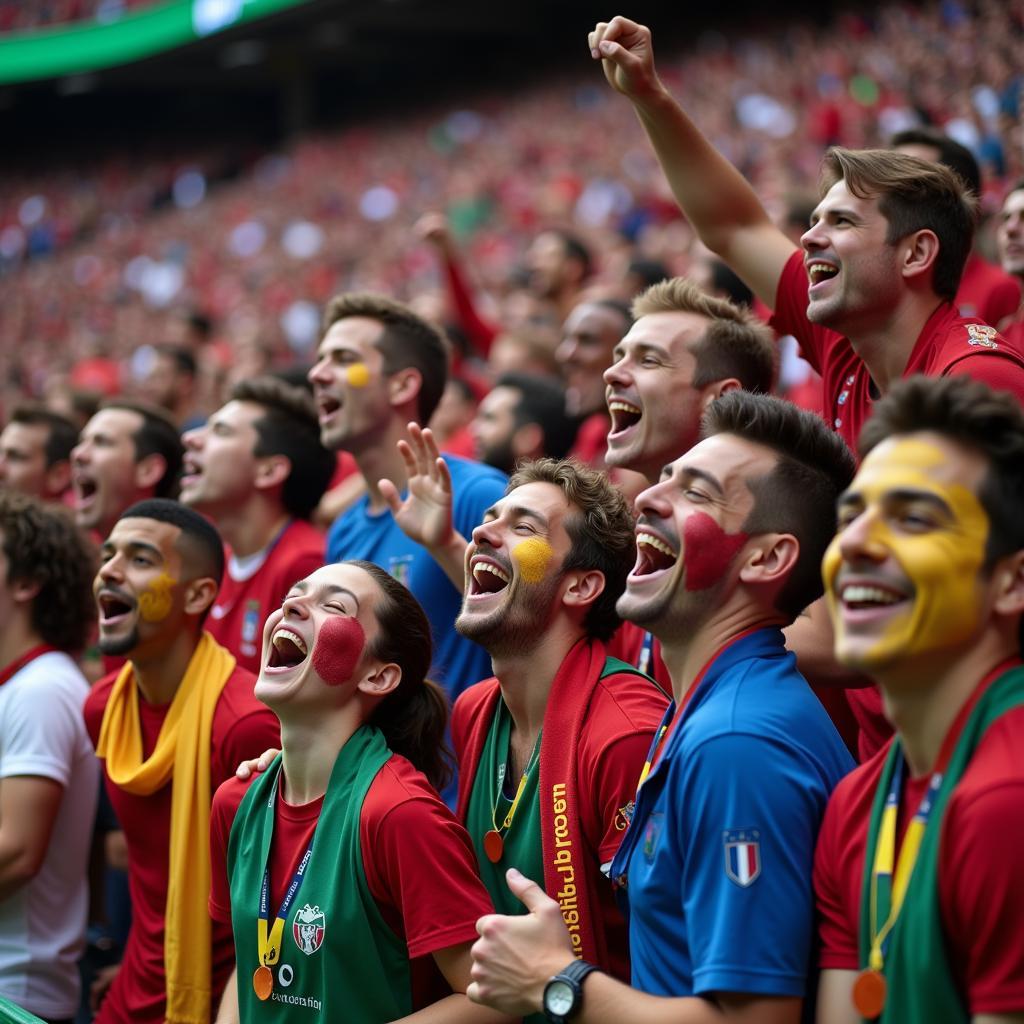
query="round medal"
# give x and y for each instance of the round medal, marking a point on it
(494, 846)
(263, 982)
(869, 993)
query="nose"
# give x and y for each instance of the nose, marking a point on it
(487, 533)
(111, 569)
(296, 606)
(814, 237)
(618, 374)
(193, 439)
(859, 539)
(318, 372)
(653, 502)
(80, 453)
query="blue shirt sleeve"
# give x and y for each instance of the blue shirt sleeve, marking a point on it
(749, 820)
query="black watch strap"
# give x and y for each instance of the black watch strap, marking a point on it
(573, 975)
(577, 971)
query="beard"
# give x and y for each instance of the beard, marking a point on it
(518, 625)
(118, 646)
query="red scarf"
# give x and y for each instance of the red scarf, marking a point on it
(572, 874)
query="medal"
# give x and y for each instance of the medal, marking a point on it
(494, 845)
(263, 982)
(869, 993)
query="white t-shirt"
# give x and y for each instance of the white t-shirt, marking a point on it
(42, 925)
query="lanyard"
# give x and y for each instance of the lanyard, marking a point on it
(646, 650)
(885, 888)
(269, 939)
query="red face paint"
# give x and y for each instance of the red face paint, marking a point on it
(707, 551)
(339, 646)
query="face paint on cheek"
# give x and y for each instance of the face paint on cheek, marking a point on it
(358, 375)
(155, 601)
(339, 646)
(707, 551)
(533, 557)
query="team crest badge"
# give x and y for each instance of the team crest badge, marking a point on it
(308, 929)
(982, 334)
(742, 855)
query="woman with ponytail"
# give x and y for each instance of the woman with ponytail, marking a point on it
(342, 872)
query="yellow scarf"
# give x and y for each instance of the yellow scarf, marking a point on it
(182, 753)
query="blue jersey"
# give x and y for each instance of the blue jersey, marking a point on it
(715, 867)
(376, 537)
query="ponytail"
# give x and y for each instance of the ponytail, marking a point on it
(414, 715)
(413, 723)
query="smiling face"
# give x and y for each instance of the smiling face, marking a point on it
(104, 467)
(139, 591)
(220, 464)
(904, 576)
(853, 272)
(1010, 234)
(514, 569)
(315, 646)
(350, 386)
(589, 336)
(655, 409)
(689, 533)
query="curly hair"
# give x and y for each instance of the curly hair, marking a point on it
(600, 531)
(45, 548)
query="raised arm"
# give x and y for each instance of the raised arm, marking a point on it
(715, 197)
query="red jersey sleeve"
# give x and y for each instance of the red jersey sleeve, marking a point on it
(422, 863)
(790, 316)
(998, 373)
(983, 889)
(619, 771)
(222, 816)
(837, 931)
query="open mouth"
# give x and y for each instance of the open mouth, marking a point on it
(327, 406)
(860, 597)
(818, 271)
(85, 489)
(287, 649)
(487, 577)
(624, 415)
(653, 555)
(113, 608)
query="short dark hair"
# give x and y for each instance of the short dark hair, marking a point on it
(542, 401)
(289, 427)
(407, 341)
(799, 495)
(913, 195)
(63, 434)
(574, 248)
(735, 344)
(158, 435)
(950, 153)
(44, 547)
(413, 716)
(623, 309)
(600, 531)
(971, 414)
(203, 543)
(183, 360)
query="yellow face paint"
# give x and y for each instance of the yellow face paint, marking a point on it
(155, 601)
(533, 557)
(358, 375)
(934, 556)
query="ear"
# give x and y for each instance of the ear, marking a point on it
(1009, 585)
(583, 589)
(58, 478)
(920, 251)
(404, 386)
(272, 471)
(527, 441)
(149, 471)
(23, 591)
(770, 559)
(381, 681)
(716, 389)
(200, 594)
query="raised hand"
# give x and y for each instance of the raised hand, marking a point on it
(627, 56)
(425, 515)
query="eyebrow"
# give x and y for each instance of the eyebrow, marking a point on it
(109, 548)
(701, 474)
(901, 494)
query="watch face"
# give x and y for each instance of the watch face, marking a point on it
(559, 998)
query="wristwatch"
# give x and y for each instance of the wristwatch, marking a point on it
(563, 994)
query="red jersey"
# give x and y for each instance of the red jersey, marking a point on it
(948, 344)
(591, 442)
(242, 728)
(418, 861)
(987, 292)
(248, 595)
(627, 643)
(981, 885)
